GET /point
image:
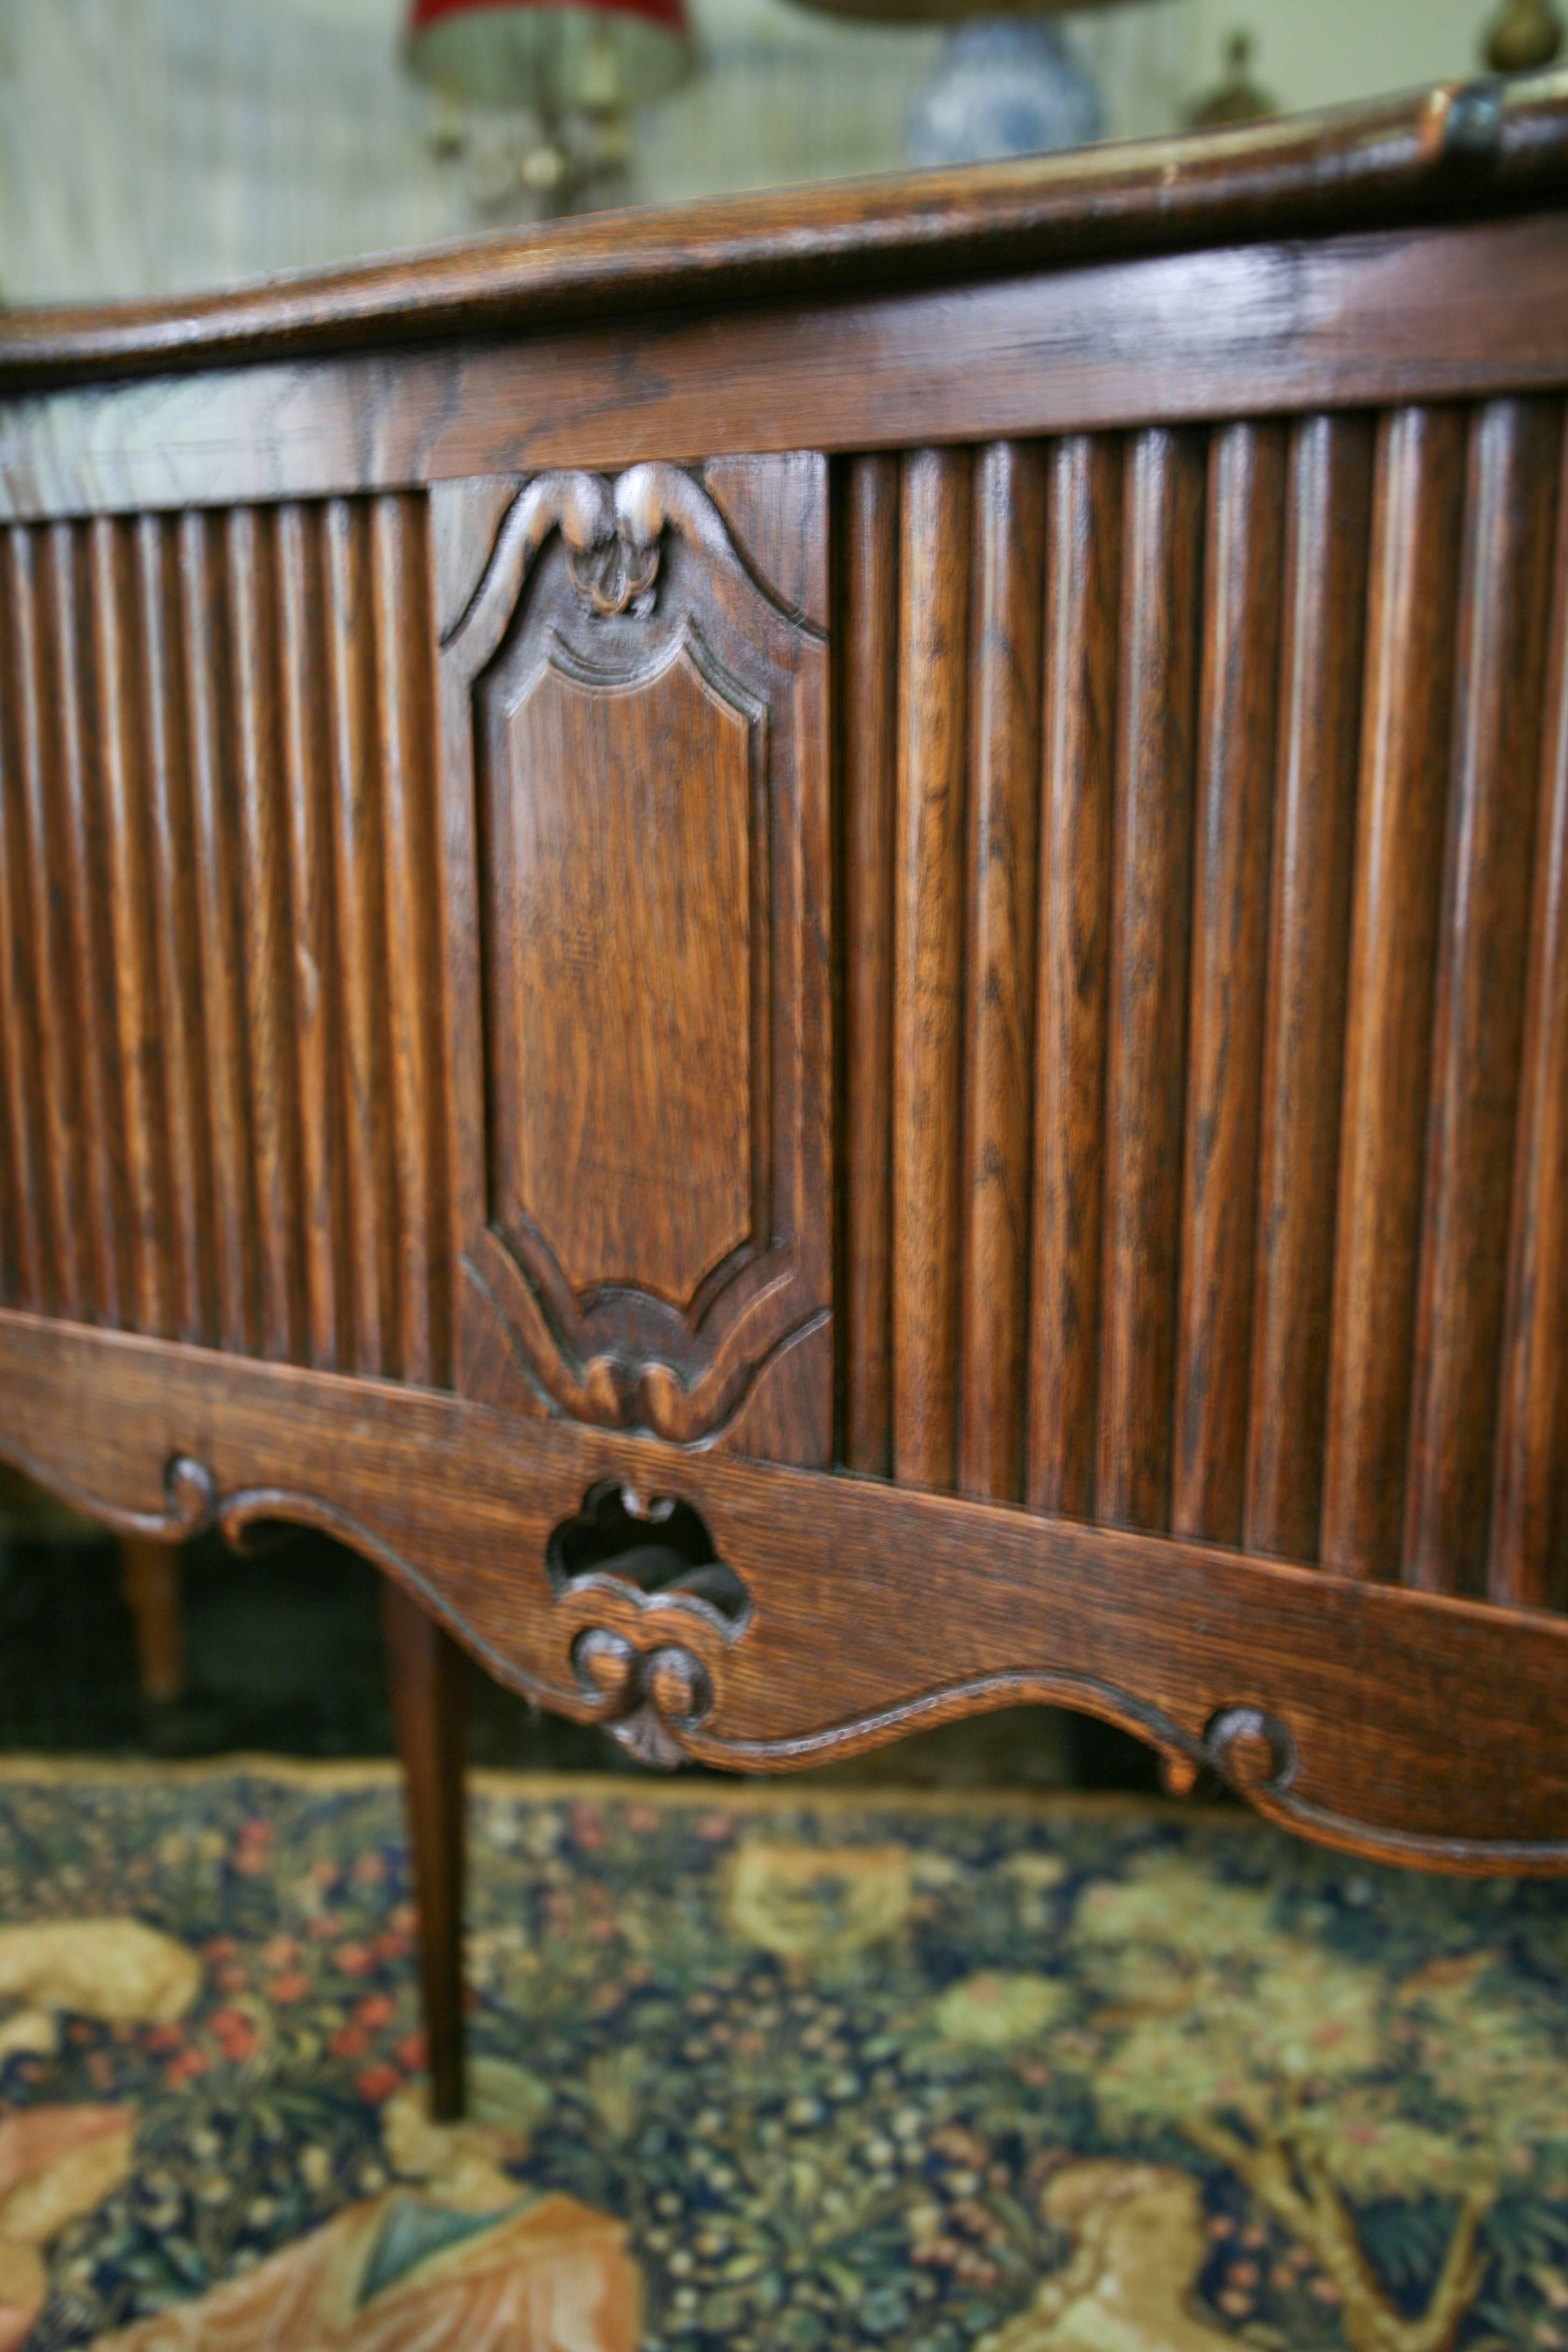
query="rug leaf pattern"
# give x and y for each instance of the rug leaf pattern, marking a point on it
(760, 2073)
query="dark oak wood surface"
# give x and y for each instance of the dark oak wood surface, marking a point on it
(841, 1005)
(1354, 320)
(1402, 1725)
(1460, 149)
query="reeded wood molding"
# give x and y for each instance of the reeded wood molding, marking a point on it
(1462, 147)
(1213, 1658)
(218, 938)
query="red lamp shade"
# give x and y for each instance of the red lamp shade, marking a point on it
(550, 54)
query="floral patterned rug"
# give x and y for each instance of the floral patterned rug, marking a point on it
(766, 2071)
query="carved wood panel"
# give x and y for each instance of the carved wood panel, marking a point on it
(634, 786)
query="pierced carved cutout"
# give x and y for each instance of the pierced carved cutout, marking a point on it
(662, 1547)
(635, 777)
(657, 1562)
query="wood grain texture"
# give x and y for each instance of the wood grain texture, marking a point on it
(1248, 331)
(144, 1166)
(182, 981)
(1504, 611)
(868, 720)
(628, 1185)
(26, 1262)
(1416, 528)
(150, 1583)
(1244, 542)
(641, 1153)
(927, 961)
(44, 1005)
(305, 752)
(162, 745)
(1457, 148)
(1008, 596)
(427, 1676)
(1322, 659)
(1146, 1022)
(1528, 1562)
(250, 623)
(774, 509)
(990, 1606)
(1081, 661)
(214, 850)
(404, 649)
(70, 718)
(359, 914)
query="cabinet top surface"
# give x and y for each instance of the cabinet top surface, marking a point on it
(1462, 149)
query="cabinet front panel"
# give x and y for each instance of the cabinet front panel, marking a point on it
(418, 953)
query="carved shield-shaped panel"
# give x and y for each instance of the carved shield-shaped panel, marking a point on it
(636, 786)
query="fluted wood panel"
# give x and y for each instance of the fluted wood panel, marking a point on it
(1485, 925)
(1083, 590)
(999, 963)
(1529, 1555)
(53, 983)
(1152, 858)
(71, 721)
(136, 1011)
(1235, 823)
(928, 961)
(218, 999)
(180, 1078)
(867, 681)
(1416, 532)
(1229, 1172)
(1322, 657)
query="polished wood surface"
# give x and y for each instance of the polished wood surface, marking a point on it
(1462, 149)
(635, 810)
(1354, 320)
(1322, 661)
(1408, 1724)
(1008, 572)
(1413, 595)
(928, 963)
(1077, 785)
(428, 1671)
(835, 1008)
(150, 1580)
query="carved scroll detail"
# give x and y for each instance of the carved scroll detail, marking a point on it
(648, 1577)
(1220, 1662)
(650, 1698)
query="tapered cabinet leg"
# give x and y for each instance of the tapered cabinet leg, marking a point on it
(150, 1577)
(428, 1674)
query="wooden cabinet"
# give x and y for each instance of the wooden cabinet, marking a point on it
(817, 953)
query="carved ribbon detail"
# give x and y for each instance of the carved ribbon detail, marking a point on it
(613, 532)
(615, 577)
(650, 1698)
